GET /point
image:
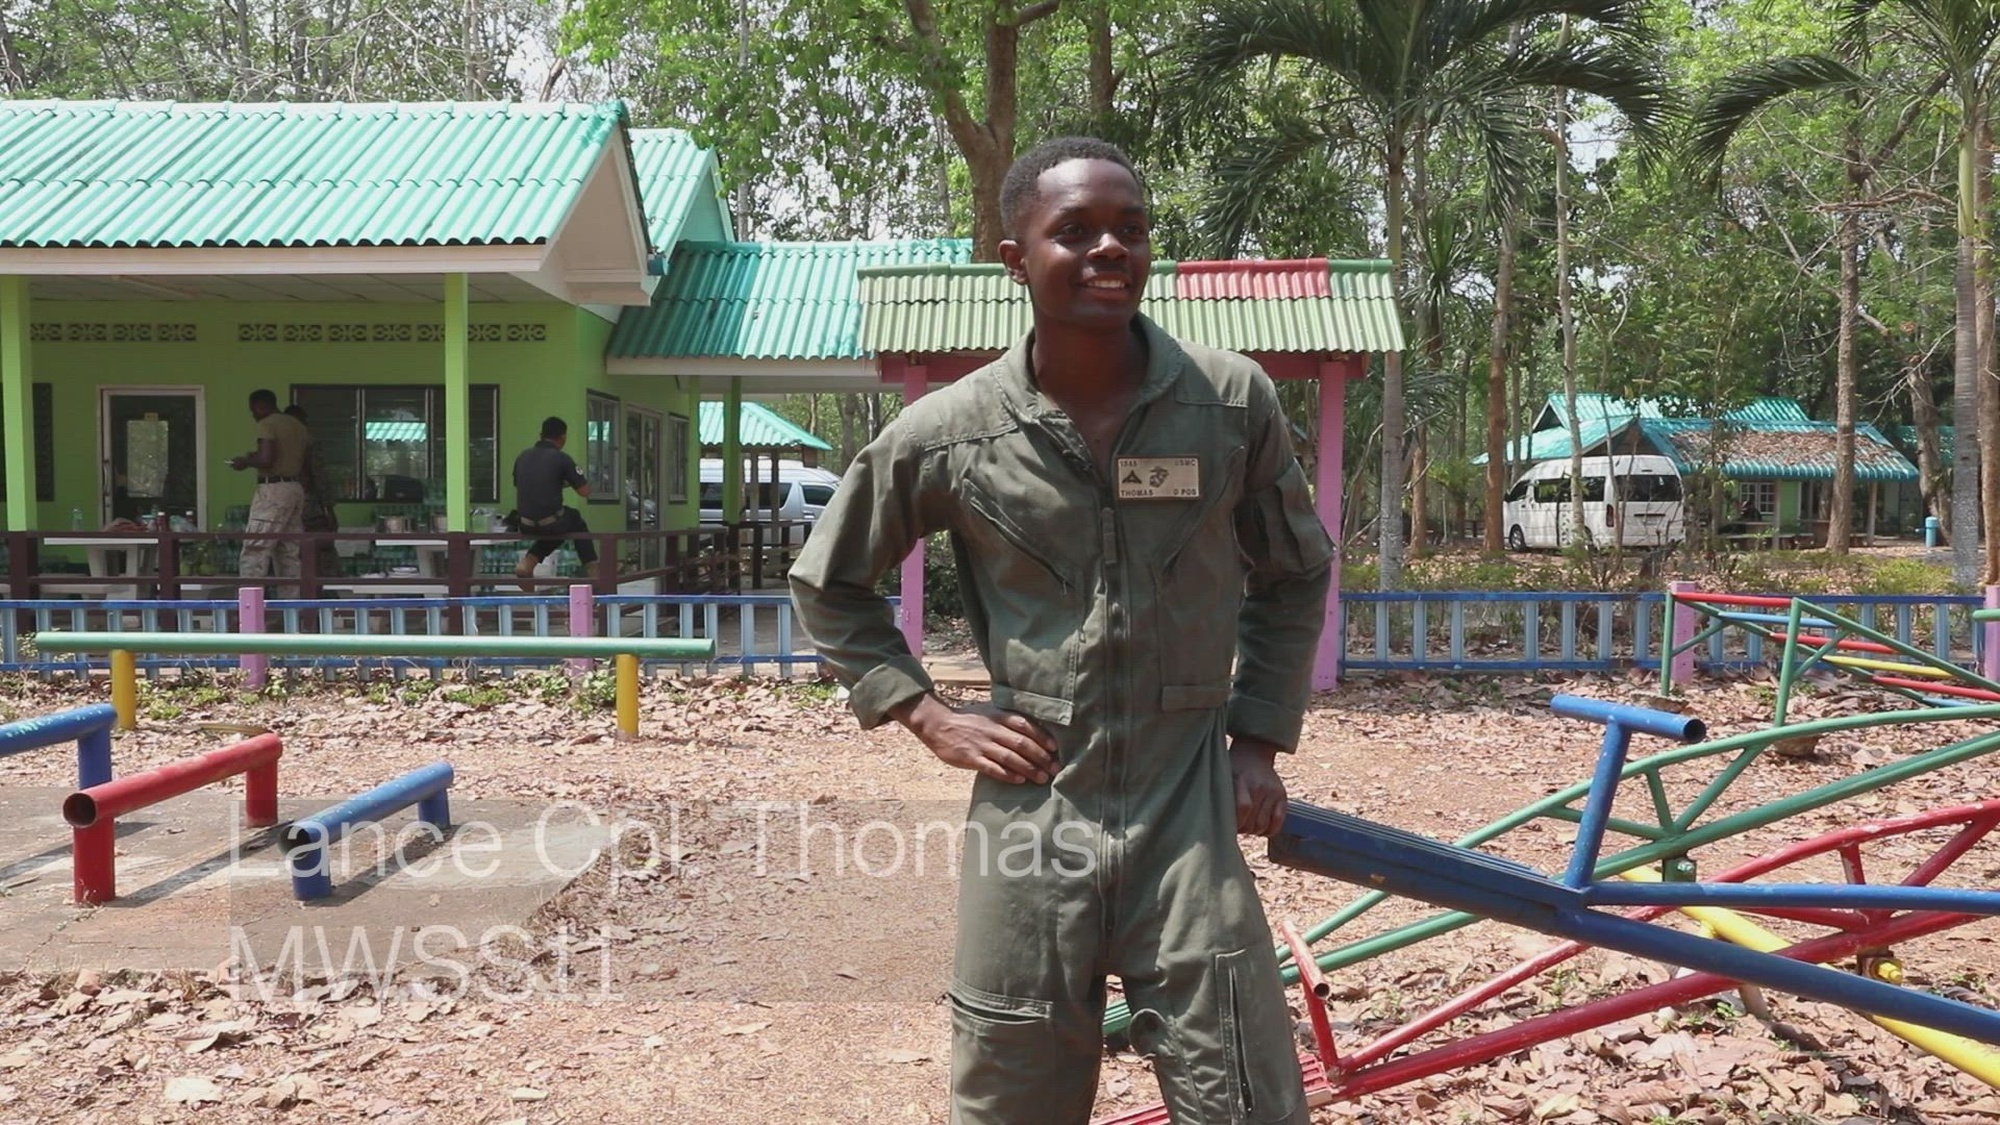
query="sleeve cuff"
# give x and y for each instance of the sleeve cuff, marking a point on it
(1250, 717)
(885, 687)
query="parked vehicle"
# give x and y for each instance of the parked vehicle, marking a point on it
(1640, 505)
(802, 493)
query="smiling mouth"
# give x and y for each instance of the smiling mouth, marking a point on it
(1112, 283)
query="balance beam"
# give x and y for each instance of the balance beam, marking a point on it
(89, 727)
(307, 840)
(93, 813)
(627, 651)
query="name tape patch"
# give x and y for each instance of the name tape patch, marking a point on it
(1159, 478)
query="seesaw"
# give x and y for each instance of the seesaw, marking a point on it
(1579, 906)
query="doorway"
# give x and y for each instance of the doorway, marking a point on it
(643, 484)
(153, 453)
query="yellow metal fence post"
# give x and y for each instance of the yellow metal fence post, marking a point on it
(628, 695)
(125, 688)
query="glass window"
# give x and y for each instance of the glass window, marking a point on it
(387, 442)
(1650, 488)
(820, 494)
(600, 445)
(41, 408)
(677, 459)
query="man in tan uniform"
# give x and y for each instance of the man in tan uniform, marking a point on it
(1145, 577)
(279, 504)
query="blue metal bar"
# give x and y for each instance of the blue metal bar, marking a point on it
(89, 727)
(1753, 896)
(306, 841)
(1391, 861)
(1620, 721)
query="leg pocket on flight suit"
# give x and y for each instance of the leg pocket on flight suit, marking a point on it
(1263, 1065)
(1009, 1061)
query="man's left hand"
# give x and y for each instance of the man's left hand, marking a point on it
(239, 463)
(1260, 794)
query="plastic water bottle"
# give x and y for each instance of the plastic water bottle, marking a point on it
(76, 519)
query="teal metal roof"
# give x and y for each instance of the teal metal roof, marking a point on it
(1906, 437)
(89, 174)
(1759, 411)
(1547, 445)
(765, 300)
(1309, 305)
(1779, 450)
(678, 179)
(758, 427)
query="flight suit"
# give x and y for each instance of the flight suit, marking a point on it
(1109, 608)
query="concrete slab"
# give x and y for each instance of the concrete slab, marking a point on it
(196, 888)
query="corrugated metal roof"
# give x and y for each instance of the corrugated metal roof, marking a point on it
(977, 308)
(758, 427)
(1906, 437)
(1776, 450)
(1547, 445)
(765, 300)
(1764, 408)
(86, 174)
(675, 175)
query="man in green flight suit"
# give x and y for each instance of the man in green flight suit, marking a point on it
(1145, 578)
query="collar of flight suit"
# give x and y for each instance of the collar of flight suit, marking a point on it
(1025, 401)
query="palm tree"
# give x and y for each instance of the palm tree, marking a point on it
(1728, 108)
(1402, 71)
(1958, 40)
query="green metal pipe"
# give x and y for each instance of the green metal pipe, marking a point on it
(370, 644)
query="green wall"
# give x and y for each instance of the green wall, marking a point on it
(542, 356)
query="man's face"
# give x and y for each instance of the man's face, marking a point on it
(1084, 246)
(259, 411)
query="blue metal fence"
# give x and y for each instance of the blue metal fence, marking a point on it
(1418, 630)
(754, 633)
(1533, 631)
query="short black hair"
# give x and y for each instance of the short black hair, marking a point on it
(1018, 191)
(267, 398)
(553, 427)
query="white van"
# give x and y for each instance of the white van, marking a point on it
(1642, 501)
(803, 493)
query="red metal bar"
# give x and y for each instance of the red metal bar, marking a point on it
(1697, 598)
(1557, 1025)
(1312, 981)
(93, 813)
(1979, 819)
(1935, 688)
(1846, 643)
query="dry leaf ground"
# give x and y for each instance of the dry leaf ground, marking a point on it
(696, 977)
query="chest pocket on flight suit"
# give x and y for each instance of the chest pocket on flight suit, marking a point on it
(1198, 587)
(1031, 606)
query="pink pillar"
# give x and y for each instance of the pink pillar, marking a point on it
(1326, 499)
(1681, 671)
(1989, 651)
(916, 378)
(250, 619)
(582, 623)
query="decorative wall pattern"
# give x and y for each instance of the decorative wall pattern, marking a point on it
(310, 333)
(117, 332)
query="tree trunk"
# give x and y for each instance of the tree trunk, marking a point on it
(1566, 317)
(1924, 419)
(1389, 523)
(1989, 395)
(1965, 552)
(1103, 75)
(1845, 363)
(1496, 385)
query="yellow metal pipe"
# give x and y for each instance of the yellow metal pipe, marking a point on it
(125, 688)
(1976, 1059)
(628, 695)
(1896, 666)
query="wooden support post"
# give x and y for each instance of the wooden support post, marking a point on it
(125, 689)
(1333, 375)
(15, 419)
(457, 406)
(250, 619)
(916, 379)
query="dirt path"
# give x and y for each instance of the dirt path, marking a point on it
(699, 977)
